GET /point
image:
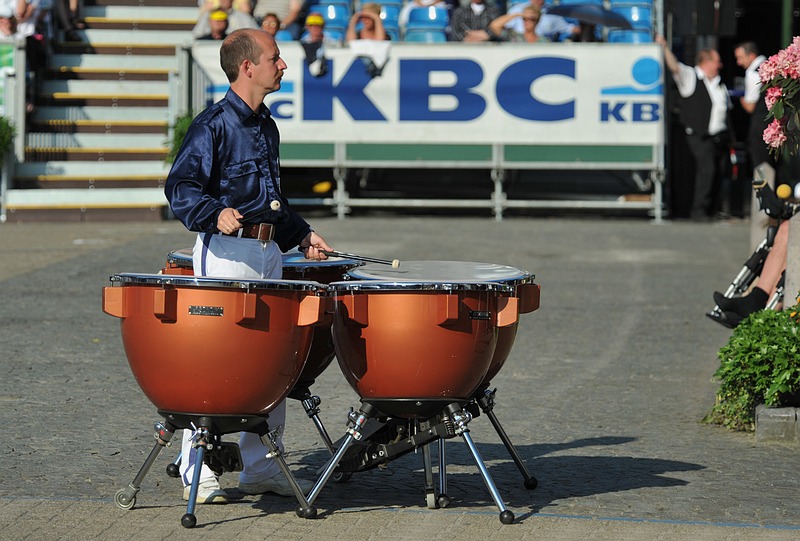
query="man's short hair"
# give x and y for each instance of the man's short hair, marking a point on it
(239, 46)
(749, 47)
(704, 55)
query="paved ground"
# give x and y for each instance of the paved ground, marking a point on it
(602, 395)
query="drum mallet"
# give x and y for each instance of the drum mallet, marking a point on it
(394, 263)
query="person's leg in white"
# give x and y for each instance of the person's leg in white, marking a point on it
(230, 257)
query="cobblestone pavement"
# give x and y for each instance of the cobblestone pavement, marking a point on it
(602, 394)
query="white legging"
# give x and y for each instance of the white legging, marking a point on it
(231, 257)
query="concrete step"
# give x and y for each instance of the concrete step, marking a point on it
(100, 114)
(90, 154)
(106, 74)
(118, 87)
(121, 62)
(97, 126)
(142, 12)
(104, 23)
(62, 170)
(99, 37)
(130, 49)
(130, 141)
(65, 99)
(121, 204)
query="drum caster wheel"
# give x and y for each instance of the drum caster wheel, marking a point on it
(341, 477)
(188, 520)
(531, 483)
(430, 499)
(506, 517)
(124, 501)
(444, 500)
(173, 470)
(310, 512)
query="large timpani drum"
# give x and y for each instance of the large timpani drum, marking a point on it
(211, 346)
(295, 267)
(413, 344)
(520, 282)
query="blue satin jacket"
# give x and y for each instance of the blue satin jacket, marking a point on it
(229, 158)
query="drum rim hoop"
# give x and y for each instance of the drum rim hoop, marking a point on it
(128, 278)
(420, 285)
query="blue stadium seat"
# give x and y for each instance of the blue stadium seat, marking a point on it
(616, 35)
(425, 35)
(389, 16)
(283, 35)
(335, 15)
(640, 16)
(398, 3)
(428, 17)
(567, 2)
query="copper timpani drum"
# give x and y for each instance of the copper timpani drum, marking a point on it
(295, 267)
(235, 346)
(520, 282)
(410, 344)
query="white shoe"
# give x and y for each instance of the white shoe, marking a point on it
(277, 484)
(208, 492)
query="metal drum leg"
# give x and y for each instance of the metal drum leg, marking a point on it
(430, 488)
(304, 509)
(444, 499)
(125, 498)
(460, 420)
(486, 402)
(311, 406)
(189, 520)
(356, 422)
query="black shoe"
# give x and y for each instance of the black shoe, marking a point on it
(726, 319)
(722, 301)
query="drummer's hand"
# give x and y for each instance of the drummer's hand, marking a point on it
(228, 221)
(312, 245)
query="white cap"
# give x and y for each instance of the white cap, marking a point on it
(5, 12)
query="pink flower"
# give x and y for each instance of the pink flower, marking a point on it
(774, 135)
(773, 94)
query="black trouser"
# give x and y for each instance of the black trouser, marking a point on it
(708, 152)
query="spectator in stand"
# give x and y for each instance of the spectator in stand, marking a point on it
(530, 19)
(552, 27)
(313, 42)
(315, 29)
(270, 24)
(289, 13)
(236, 20)
(68, 17)
(470, 22)
(37, 59)
(245, 6)
(218, 20)
(371, 24)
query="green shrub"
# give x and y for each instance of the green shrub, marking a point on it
(759, 364)
(179, 129)
(7, 133)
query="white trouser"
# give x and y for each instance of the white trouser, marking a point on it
(232, 257)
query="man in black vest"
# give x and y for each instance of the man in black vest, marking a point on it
(704, 112)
